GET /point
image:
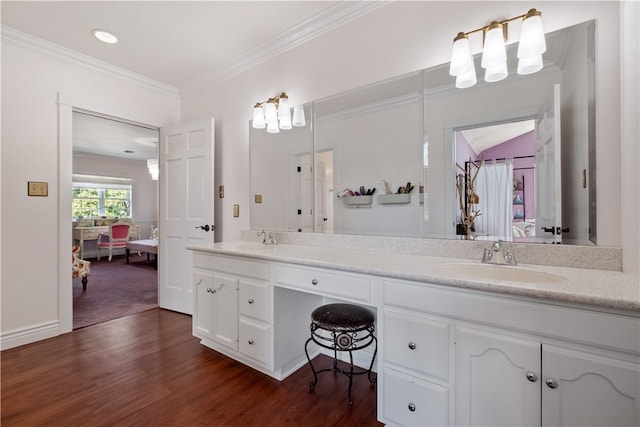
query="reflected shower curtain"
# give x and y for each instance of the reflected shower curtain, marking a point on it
(494, 186)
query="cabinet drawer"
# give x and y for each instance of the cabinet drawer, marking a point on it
(254, 299)
(411, 402)
(254, 340)
(90, 235)
(232, 265)
(416, 343)
(325, 282)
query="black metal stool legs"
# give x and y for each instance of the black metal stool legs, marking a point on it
(335, 368)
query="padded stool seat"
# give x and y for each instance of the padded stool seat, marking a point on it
(342, 327)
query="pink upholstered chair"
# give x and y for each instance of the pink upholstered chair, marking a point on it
(117, 238)
(80, 267)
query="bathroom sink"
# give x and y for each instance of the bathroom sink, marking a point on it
(494, 272)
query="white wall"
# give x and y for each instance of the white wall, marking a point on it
(393, 40)
(32, 235)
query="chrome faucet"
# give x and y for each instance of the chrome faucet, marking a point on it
(268, 237)
(508, 255)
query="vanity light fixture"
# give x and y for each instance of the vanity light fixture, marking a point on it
(494, 58)
(104, 36)
(152, 164)
(275, 114)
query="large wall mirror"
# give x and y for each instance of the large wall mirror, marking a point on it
(412, 138)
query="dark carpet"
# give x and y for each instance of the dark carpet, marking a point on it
(115, 290)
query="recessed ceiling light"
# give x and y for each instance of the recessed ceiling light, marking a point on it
(104, 36)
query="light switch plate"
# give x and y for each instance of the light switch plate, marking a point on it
(236, 211)
(37, 188)
(221, 191)
(258, 198)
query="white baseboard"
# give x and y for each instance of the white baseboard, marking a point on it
(18, 337)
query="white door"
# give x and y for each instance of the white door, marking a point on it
(186, 208)
(304, 193)
(321, 197)
(582, 389)
(497, 380)
(548, 176)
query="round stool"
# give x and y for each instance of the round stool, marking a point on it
(342, 327)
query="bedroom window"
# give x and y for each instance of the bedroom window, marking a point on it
(99, 196)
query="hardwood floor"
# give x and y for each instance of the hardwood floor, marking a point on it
(147, 369)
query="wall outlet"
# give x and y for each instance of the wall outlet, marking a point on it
(258, 198)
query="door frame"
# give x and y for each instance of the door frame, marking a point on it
(66, 104)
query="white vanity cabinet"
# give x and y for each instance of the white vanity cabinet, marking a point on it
(511, 361)
(506, 381)
(447, 355)
(232, 307)
(215, 315)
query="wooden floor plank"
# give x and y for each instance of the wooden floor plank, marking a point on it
(147, 369)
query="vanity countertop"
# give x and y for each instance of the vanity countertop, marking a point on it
(595, 288)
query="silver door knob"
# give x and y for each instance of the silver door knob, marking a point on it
(412, 345)
(531, 377)
(551, 383)
(411, 407)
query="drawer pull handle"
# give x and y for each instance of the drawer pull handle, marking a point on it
(250, 301)
(314, 282)
(412, 345)
(411, 407)
(531, 377)
(250, 342)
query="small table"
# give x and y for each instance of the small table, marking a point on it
(150, 246)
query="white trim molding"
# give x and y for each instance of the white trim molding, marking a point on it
(323, 22)
(52, 50)
(22, 336)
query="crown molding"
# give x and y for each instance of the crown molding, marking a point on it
(325, 21)
(26, 41)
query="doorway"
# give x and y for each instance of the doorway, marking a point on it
(505, 185)
(112, 183)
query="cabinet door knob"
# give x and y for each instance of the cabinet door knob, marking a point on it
(532, 377)
(250, 301)
(411, 407)
(551, 383)
(250, 342)
(412, 345)
(209, 290)
(314, 282)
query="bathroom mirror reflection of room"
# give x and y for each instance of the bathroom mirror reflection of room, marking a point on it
(404, 130)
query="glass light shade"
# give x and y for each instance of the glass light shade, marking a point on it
(258, 118)
(273, 127)
(152, 165)
(532, 41)
(495, 74)
(284, 110)
(270, 114)
(494, 52)
(298, 116)
(530, 65)
(461, 59)
(285, 123)
(466, 80)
